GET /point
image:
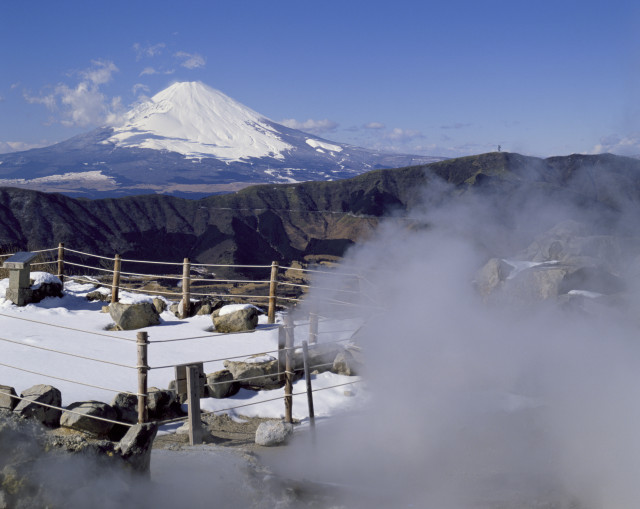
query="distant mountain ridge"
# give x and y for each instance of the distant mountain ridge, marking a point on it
(189, 140)
(305, 221)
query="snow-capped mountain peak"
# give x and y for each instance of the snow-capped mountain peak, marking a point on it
(195, 120)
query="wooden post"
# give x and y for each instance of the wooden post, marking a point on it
(193, 399)
(116, 279)
(61, 262)
(313, 328)
(273, 285)
(143, 368)
(282, 342)
(288, 377)
(307, 376)
(186, 288)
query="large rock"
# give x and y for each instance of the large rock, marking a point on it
(81, 418)
(221, 385)
(492, 275)
(162, 404)
(256, 372)
(204, 306)
(229, 319)
(346, 364)
(135, 446)
(321, 357)
(134, 316)
(126, 407)
(6, 401)
(272, 433)
(30, 408)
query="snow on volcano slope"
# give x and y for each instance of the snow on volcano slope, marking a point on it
(198, 121)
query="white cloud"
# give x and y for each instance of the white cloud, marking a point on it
(457, 125)
(148, 50)
(622, 145)
(311, 126)
(190, 60)
(16, 146)
(152, 70)
(403, 135)
(83, 104)
(140, 87)
(374, 125)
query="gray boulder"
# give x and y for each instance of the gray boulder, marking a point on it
(492, 275)
(30, 408)
(135, 447)
(97, 295)
(346, 364)
(160, 305)
(221, 385)
(272, 433)
(133, 316)
(245, 319)
(46, 289)
(256, 373)
(6, 401)
(162, 404)
(81, 418)
(126, 407)
(321, 357)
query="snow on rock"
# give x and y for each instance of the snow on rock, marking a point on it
(40, 278)
(232, 308)
(198, 121)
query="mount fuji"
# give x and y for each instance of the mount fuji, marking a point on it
(189, 140)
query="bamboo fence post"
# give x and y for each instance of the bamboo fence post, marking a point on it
(193, 398)
(186, 288)
(288, 377)
(313, 328)
(142, 344)
(116, 279)
(273, 285)
(61, 262)
(307, 376)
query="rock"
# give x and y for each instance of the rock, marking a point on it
(135, 446)
(126, 407)
(98, 295)
(134, 316)
(160, 305)
(6, 401)
(45, 285)
(346, 364)
(321, 357)
(272, 433)
(254, 372)
(84, 422)
(492, 275)
(244, 319)
(161, 403)
(42, 394)
(221, 385)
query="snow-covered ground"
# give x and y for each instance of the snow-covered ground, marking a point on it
(75, 326)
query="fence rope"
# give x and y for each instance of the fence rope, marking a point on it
(68, 328)
(86, 254)
(64, 410)
(68, 380)
(43, 263)
(205, 280)
(44, 250)
(149, 262)
(66, 353)
(231, 265)
(315, 271)
(213, 412)
(215, 334)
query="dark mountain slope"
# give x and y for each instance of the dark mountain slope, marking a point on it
(288, 222)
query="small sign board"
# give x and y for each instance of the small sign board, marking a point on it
(19, 260)
(181, 378)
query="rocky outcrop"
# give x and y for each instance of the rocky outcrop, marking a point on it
(133, 316)
(135, 446)
(6, 401)
(30, 408)
(256, 372)
(221, 384)
(237, 320)
(79, 417)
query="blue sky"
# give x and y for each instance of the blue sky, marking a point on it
(436, 78)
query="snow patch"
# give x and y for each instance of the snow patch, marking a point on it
(323, 145)
(232, 308)
(91, 177)
(198, 121)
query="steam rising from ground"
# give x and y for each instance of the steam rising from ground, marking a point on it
(475, 405)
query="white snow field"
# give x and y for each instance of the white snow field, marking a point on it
(43, 340)
(196, 120)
